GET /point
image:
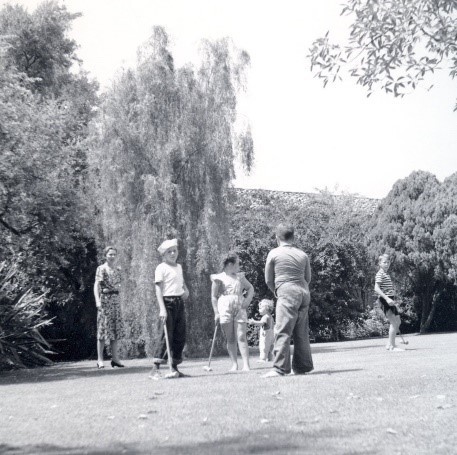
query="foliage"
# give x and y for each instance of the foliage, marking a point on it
(39, 45)
(414, 224)
(45, 108)
(330, 229)
(162, 161)
(392, 44)
(22, 317)
(35, 168)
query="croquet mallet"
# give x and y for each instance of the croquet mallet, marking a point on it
(402, 339)
(172, 374)
(208, 367)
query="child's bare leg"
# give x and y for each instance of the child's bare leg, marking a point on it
(270, 352)
(243, 344)
(392, 333)
(229, 331)
(398, 321)
(394, 326)
(263, 355)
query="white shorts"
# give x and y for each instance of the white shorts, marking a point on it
(229, 307)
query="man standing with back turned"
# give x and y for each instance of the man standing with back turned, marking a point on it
(287, 274)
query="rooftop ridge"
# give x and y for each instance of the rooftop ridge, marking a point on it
(361, 203)
(354, 195)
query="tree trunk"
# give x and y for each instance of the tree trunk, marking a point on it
(428, 311)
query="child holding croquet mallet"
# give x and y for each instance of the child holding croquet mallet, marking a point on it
(266, 332)
(385, 291)
(171, 292)
(230, 305)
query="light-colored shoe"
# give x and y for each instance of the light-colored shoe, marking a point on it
(261, 361)
(388, 346)
(172, 375)
(394, 348)
(100, 365)
(272, 374)
(156, 375)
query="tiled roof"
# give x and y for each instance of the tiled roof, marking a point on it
(261, 197)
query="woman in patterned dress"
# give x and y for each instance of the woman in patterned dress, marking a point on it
(110, 326)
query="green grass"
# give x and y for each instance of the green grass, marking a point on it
(360, 399)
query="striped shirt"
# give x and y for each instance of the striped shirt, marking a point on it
(384, 281)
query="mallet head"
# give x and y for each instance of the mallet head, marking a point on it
(171, 375)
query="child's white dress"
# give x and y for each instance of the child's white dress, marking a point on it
(266, 338)
(230, 300)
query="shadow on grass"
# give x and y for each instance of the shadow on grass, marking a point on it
(330, 372)
(266, 441)
(60, 373)
(329, 349)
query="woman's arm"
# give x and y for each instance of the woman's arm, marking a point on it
(98, 303)
(250, 293)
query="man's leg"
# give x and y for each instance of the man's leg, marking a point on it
(302, 361)
(286, 317)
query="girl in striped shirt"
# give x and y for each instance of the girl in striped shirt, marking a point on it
(385, 291)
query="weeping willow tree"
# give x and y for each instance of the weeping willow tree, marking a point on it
(163, 160)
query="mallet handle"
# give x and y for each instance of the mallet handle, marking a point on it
(212, 345)
(168, 345)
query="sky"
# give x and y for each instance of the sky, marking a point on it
(306, 138)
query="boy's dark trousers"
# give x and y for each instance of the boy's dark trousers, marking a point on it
(176, 327)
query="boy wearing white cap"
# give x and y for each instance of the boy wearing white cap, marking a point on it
(171, 291)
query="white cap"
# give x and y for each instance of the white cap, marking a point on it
(166, 245)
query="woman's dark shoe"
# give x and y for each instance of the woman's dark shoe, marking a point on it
(115, 364)
(100, 365)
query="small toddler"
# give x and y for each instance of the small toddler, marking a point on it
(266, 334)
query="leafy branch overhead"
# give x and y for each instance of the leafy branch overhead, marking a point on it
(392, 45)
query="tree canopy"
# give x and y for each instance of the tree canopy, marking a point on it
(415, 224)
(45, 109)
(162, 162)
(392, 45)
(39, 46)
(331, 230)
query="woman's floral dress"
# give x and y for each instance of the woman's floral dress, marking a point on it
(109, 318)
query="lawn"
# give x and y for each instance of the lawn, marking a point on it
(361, 399)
